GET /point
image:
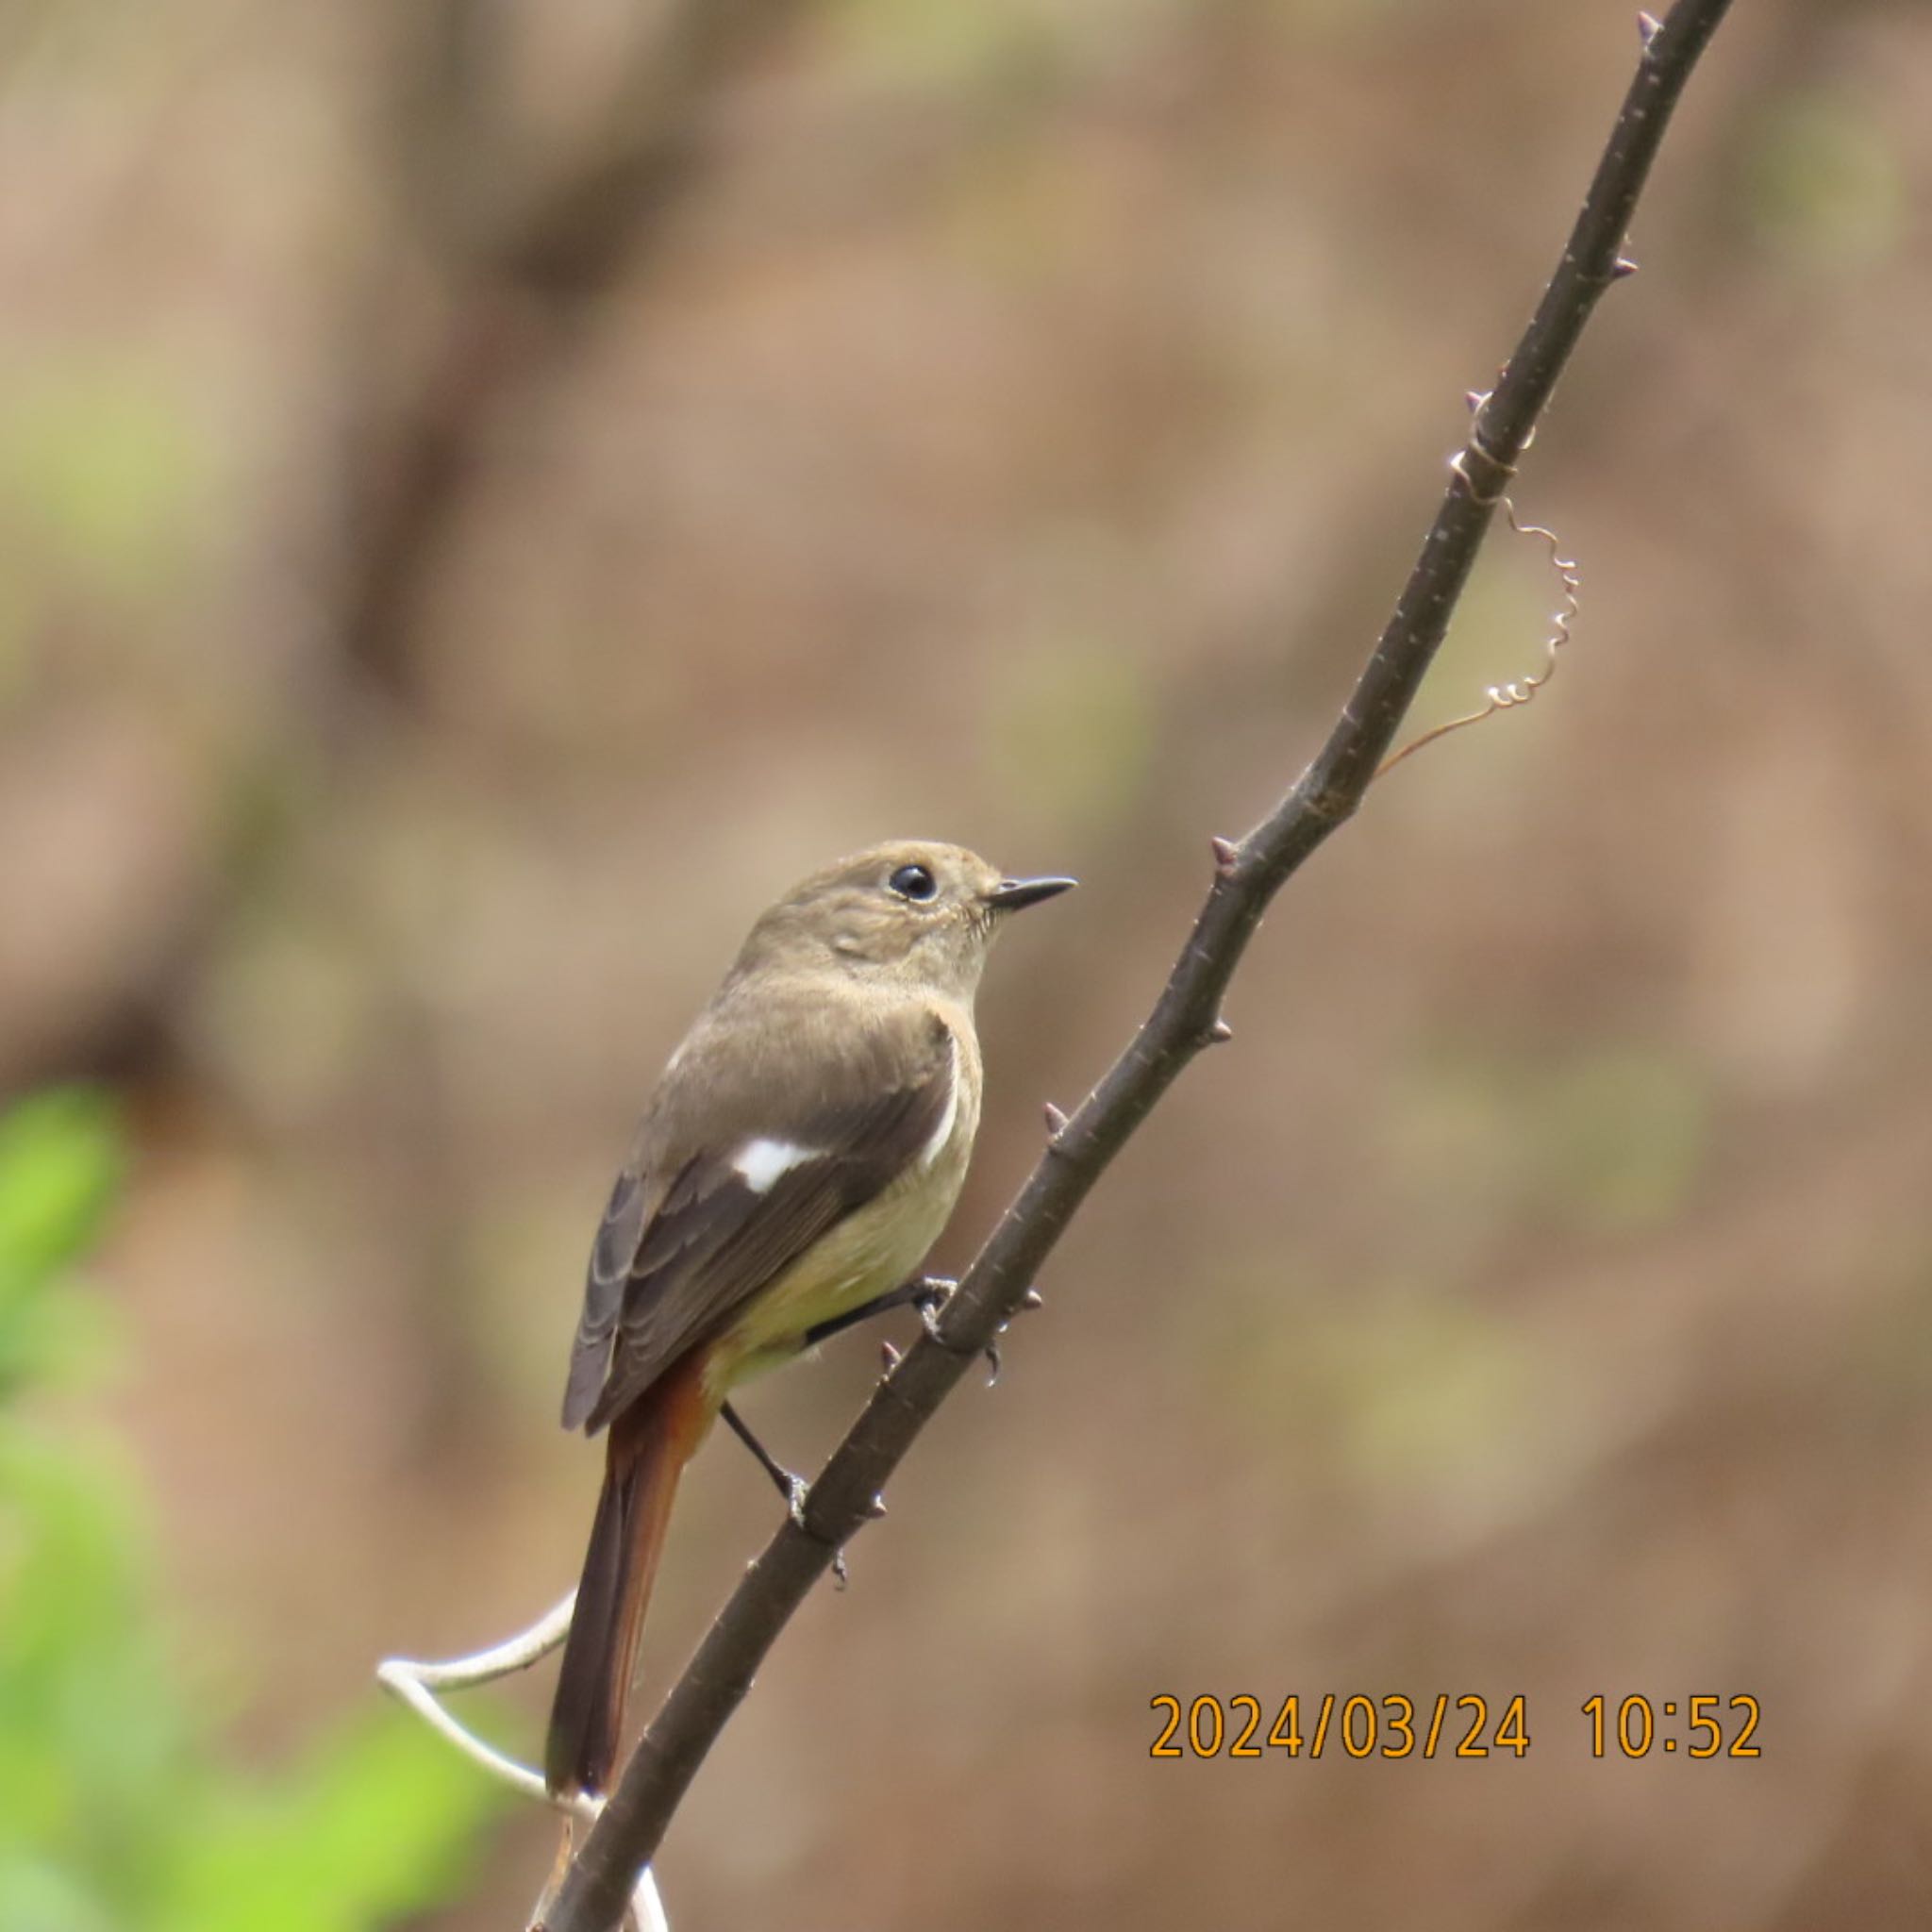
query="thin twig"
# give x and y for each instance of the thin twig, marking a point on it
(1185, 1020)
(1519, 690)
(416, 1683)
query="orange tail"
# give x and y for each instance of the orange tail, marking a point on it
(650, 1443)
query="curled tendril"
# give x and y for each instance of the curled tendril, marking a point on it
(1505, 697)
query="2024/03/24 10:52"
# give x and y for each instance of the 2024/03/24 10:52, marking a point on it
(1395, 1726)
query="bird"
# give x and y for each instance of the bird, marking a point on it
(799, 1155)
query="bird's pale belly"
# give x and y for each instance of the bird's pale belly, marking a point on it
(871, 1251)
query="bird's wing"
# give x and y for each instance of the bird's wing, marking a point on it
(702, 1218)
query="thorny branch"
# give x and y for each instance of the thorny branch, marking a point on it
(1184, 1020)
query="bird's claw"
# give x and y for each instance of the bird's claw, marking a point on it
(931, 1302)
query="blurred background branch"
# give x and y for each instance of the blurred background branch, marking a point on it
(522, 241)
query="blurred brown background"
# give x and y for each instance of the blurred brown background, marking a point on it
(490, 492)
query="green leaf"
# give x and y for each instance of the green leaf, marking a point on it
(374, 1828)
(60, 1161)
(118, 1809)
(35, 1896)
(91, 1727)
(60, 1165)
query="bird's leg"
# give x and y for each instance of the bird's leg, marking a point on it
(794, 1489)
(928, 1293)
(919, 1291)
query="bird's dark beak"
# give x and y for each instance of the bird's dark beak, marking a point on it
(1010, 895)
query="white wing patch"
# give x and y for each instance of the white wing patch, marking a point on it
(759, 1163)
(943, 1132)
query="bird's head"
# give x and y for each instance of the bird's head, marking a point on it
(911, 911)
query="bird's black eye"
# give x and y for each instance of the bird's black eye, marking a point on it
(913, 882)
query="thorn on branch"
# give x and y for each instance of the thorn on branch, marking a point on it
(1621, 268)
(1219, 1034)
(1032, 1299)
(1226, 856)
(1648, 25)
(1056, 1121)
(875, 1508)
(890, 1356)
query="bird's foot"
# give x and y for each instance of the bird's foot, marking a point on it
(936, 1292)
(930, 1298)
